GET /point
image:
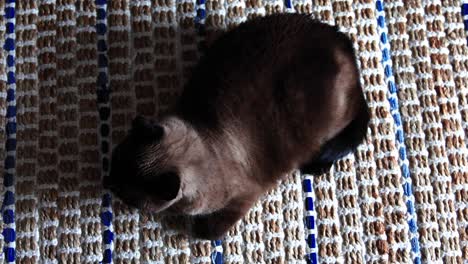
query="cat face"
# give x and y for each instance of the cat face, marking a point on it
(162, 166)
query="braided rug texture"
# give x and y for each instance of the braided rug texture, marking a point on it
(73, 74)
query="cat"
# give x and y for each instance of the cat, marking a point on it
(276, 93)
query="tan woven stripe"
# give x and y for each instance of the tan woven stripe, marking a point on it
(234, 12)
(69, 250)
(273, 234)
(328, 236)
(455, 36)
(143, 60)
(166, 28)
(126, 245)
(118, 21)
(27, 104)
(345, 172)
(349, 213)
(254, 8)
(47, 174)
(371, 204)
(448, 104)
(411, 113)
(450, 117)
(188, 38)
(90, 187)
(302, 6)
(323, 10)
(167, 66)
(151, 239)
(293, 212)
(176, 248)
(345, 19)
(458, 49)
(3, 90)
(200, 251)
(273, 6)
(253, 235)
(382, 133)
(215, 15)
(438, 161)
(233, 245)
(126, 231)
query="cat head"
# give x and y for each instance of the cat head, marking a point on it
(165, 165)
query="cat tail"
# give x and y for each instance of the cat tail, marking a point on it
(348, 139)
(344, 143)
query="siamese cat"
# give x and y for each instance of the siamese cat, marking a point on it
(274, 94)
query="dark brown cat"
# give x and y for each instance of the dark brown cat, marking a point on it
(274, 94)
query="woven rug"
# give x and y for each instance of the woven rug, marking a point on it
(74, 73)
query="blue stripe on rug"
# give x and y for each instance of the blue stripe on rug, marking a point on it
(310, 221)
(399, 134)
(8, 205)
(217, 254)
(103, 94)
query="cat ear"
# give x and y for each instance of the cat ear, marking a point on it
(147, 129)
